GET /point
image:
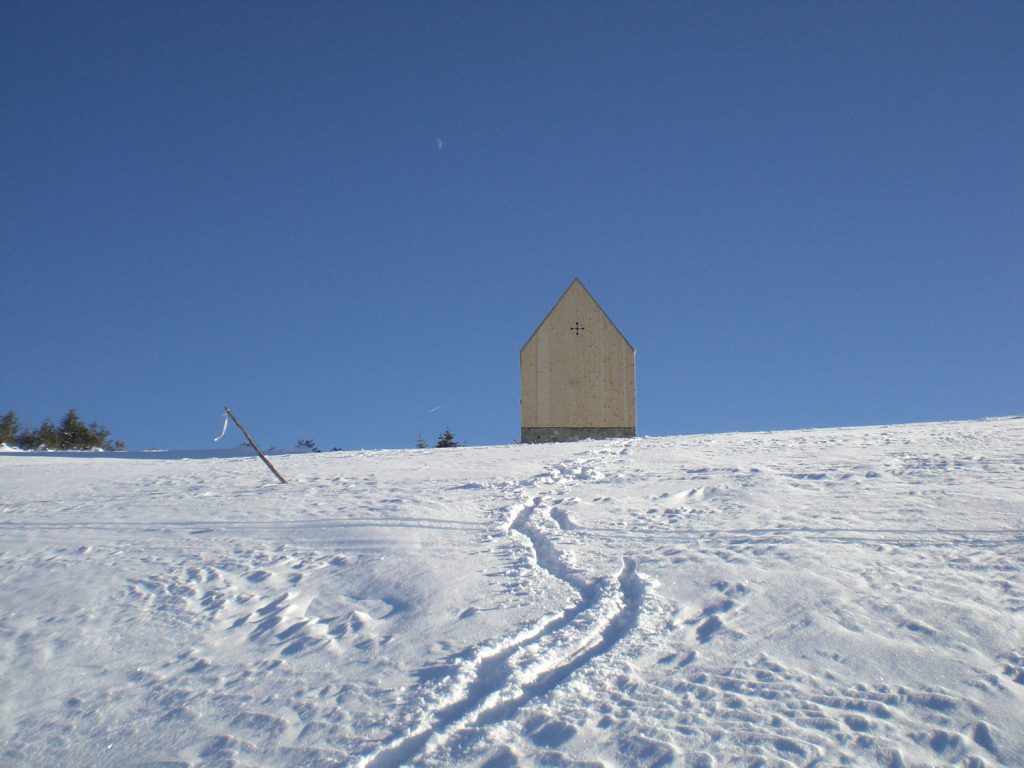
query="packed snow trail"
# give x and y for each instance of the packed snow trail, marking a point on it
(845, 596)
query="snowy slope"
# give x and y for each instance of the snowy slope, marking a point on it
(820, 597)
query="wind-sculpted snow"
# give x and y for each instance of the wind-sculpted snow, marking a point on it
(822, 597)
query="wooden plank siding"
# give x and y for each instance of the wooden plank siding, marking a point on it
(578, 378)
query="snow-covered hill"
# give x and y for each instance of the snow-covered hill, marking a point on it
(831, 597)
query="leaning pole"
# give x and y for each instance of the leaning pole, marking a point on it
(253, 444)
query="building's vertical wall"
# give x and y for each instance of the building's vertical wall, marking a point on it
(577, 374)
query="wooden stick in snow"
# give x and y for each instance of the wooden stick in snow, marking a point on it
(253, 444)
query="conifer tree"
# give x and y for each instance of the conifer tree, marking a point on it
(100, 437)
(8, 428)
(447, 440)
(47, 436)
(73, 432)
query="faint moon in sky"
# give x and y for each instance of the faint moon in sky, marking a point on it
(440, 144)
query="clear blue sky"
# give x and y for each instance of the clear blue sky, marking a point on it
(800, 214)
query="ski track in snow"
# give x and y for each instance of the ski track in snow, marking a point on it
(503, 676)
(829, 597)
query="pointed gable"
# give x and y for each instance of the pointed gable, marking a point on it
(577, 374)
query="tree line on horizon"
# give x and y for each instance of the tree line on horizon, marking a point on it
(73, 434)
(69, 434)
(445, 440)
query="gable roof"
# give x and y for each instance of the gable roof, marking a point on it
(560, 299)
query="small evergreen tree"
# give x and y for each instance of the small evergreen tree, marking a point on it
(9, 428)
(447, 440)
(73, 432)
(47, 436)
(420, 442)
(27, 439)
(100, 436)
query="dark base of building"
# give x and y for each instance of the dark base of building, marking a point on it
(571, 434)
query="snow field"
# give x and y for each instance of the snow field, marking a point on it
(816, 597)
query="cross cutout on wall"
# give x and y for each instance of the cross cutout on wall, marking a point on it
(577, 328)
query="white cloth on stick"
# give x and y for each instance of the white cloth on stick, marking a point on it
(223, 431)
